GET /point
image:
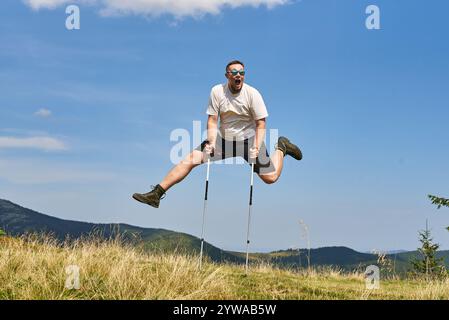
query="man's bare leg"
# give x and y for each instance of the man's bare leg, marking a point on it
(277, 159)
(182, 169)
(284, 147)
(175, 175)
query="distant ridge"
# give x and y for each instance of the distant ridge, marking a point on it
(17, 221)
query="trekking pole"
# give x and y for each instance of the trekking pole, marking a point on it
(249, 215)
(204, 212)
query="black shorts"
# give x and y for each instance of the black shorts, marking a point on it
(230, 148)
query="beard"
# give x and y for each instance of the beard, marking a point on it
(236, 86)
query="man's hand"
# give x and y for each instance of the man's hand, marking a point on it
(209, 149)
(253, 152)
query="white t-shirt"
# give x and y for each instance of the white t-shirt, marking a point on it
(238, 112)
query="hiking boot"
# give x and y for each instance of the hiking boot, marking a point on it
(288, 148)
(151, 198)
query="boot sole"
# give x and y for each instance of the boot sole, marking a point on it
(297, 156)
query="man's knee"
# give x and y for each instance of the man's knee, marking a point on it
(194, 158)
(269, 178)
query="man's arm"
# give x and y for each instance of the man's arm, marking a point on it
(212, 129)
(260, 133)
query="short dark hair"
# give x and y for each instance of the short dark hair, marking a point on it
(233, 62)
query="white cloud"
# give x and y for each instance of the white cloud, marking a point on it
(177, 8)
(41, 143)
(44, 113)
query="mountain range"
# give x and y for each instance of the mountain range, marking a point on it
(16, 220)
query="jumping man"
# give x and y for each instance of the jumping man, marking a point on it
(242, 113)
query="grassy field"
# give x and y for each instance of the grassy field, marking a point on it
(36, 269)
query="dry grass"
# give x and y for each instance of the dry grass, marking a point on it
(32, 268)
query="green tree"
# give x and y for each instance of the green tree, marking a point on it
(440, 202)
(2, 233)
(428, 264)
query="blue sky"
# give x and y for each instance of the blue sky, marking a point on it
(86, 116)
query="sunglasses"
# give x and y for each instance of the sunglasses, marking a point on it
(235, 72)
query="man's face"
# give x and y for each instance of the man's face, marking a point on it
(235, 78)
